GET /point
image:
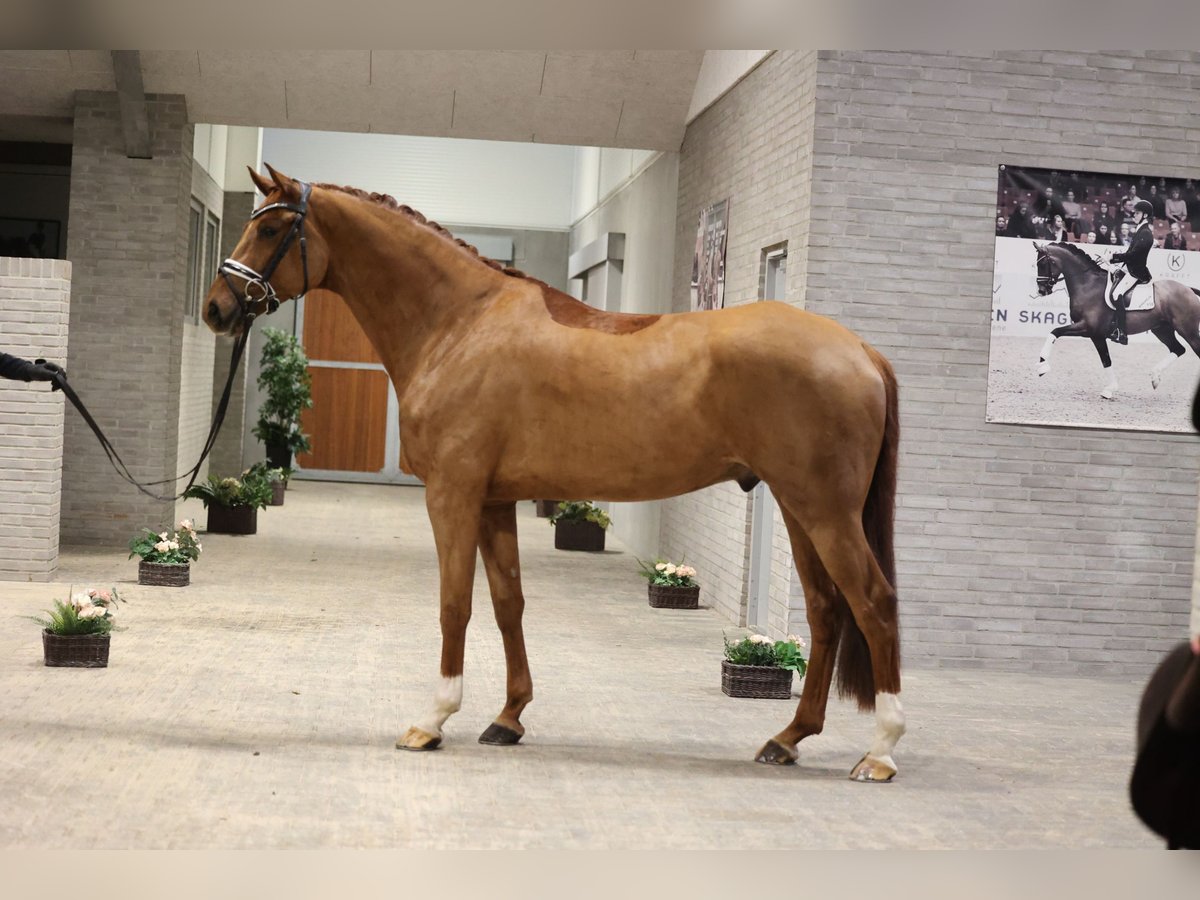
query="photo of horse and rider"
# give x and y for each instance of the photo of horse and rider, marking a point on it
(1095, 300)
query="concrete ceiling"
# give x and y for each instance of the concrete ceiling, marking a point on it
(605, 98)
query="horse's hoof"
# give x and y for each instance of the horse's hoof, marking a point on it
(774, 753)
(416, 739)
(1044, 369)
(1155, 381)
(874, 769)
(499, 735)
(1107, 394)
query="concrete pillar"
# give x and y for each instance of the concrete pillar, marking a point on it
(128, 246)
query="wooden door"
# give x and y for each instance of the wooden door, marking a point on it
(353, 424)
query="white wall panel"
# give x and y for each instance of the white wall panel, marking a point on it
(464, 182)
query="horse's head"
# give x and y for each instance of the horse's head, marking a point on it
(1048, 270)
(279, 257)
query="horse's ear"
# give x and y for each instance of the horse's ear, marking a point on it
(264, 185)
(288, 185)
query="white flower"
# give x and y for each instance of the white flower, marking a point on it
(80, 599)
(162, 546)
(199, 546)
(670, 569)
(173, 545)
(686, 571)
(661, 566)
(163, 536)
(760, 639)
(187, 525)
(92, 612)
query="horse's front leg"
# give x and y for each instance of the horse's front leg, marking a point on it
(454, 514)
(498, 547)
(1075, 329)
(1110, 389)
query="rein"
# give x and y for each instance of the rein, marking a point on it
(257, 298)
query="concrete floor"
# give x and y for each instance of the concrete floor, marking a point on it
(258, 708)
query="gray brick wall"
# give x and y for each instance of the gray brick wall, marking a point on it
(35, 296)
(754, 147)
(1051, 549)
(226, 458)
(128, 246)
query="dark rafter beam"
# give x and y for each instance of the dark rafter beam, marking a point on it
(135, 116)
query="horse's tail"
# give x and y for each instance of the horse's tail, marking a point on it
(855, 675)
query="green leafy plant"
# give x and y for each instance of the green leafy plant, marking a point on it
(760, 650)
(580, 511)
(167, 548)
(87, 612)
(251, 489)
(285, 378)
(263, 469)
(666, 574)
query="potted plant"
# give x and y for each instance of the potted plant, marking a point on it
(166, 555)
(671, 586)
(759, 667)
(285, 378)
(277, 477)
(76, 632)
(545, 508)
(579, 525)
(233, 503)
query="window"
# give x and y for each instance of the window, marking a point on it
(773, 273)
(204, 238)
(191, 306)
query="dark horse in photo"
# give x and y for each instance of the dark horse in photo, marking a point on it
(1175, 315)
(492, 368)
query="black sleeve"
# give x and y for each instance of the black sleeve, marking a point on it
(1117, 257)
(17, 369)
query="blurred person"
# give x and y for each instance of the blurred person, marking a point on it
(1124, 236)
(1090, 237)
(1047, 205)
(1055, 231)
(1020, 223)
(1103, 234)
(1175, 239)
(1133, 262)
(1158, 202)
(1175, 209)
(1104, 216)
(1001, 225)
(1072, 213)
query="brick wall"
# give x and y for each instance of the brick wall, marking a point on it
(1051, 549)
(128, 247)
(35, 296)
(226, 458)
(754, 148)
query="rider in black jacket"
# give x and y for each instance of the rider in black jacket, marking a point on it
(1136, 271)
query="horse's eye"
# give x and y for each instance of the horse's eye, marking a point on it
(267, 231)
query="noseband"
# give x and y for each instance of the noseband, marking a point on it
(258, 295)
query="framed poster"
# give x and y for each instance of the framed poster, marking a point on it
(26, 238)
(1057, 234)
(708, 263)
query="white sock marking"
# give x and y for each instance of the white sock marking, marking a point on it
(889, 727)
(447, 700)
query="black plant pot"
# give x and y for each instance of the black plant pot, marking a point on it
(578, 536)
(279, 455)
(232, 519)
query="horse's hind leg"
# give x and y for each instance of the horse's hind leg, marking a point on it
(824, 623)
(1166, 334)
(498, 547)
(873, 677)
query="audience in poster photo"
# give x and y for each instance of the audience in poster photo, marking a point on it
(1090, 208)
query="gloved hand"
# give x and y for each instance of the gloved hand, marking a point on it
(48, 371)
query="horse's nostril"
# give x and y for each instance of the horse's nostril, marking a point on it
(214, 312)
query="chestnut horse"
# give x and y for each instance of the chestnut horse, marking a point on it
(491, 367)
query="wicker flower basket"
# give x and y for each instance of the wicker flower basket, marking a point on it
(232, 519)
(578, 536)
(546, 508)
(164, 575)
(665, 596)
(277, 492)
(758, 682)
(83, 651)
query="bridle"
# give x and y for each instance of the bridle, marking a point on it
(259, 283)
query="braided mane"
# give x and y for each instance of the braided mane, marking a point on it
(1081, 254)
(389, 202)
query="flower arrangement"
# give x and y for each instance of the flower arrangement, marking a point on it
(263, 469)
(580, 511)
(666, 574)
(167, 548)
(88, 612)
(252, 489)
(285, 378)
(760, 650)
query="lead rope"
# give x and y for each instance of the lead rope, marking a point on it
(218, 419)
